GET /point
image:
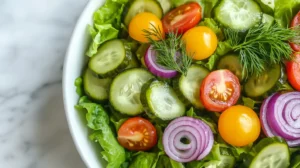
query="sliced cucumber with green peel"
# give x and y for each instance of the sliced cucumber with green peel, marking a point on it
(138, 6)
(161, 101)
(271, 153)
(238, 14)
(257, 86)
(189, 85)
(94, 87)
(267, 6)
(112, 57)
(125, 90)
(267, 20)
(166, 5)
(232, 63)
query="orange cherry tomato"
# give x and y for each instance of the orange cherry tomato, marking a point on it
(239, 125)
(182, 18)
(200, 41)
(295, 22)
(144, 21)
(293, 71)
(137, 134)
(219, 90)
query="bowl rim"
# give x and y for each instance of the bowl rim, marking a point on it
(66, 65)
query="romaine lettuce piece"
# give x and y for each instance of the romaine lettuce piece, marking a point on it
(98, 120)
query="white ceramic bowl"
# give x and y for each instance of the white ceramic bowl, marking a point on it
(73, 66)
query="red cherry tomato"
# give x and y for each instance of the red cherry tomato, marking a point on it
(293, 71)
(182, 18)
(137, 134)
(220, 90)
(295, 22)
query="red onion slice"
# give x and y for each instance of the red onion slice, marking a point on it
(280, 116)
(263, 116)
(155, 68)
(198, 134)
(277, 113)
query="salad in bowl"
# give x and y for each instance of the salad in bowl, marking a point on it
(193, 84)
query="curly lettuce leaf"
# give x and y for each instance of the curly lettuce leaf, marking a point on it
(285, 11)
(98, 120)
(107, 22)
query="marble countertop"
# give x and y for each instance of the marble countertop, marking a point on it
(34, 35)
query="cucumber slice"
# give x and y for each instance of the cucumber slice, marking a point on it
(189, 85)
(258, 85)
(272, 153)
(267, 6)
(125, 90)
(112, 57)
(94, 87)
(233, 64)
(238, 14)
(166, 5)
(161, 101)
(267, 20)
(138, 6)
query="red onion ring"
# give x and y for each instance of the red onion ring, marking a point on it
(155, 68)
(280, 116)
(196, 131)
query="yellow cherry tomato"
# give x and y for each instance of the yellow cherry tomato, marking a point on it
(143, 21)
(239, 125)
(200, 41)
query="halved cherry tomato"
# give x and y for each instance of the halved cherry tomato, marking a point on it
(220, 90)
(295, 22)
(293, 71)
(200, 41)
(239, 125)
(144, 21)
(182, 18)
(137, 134)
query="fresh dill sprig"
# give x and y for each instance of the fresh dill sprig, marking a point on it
(170, 51)
(262, 47)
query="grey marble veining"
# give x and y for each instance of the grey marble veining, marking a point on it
(34, 35)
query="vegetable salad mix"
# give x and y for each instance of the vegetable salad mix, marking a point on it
(194, 84)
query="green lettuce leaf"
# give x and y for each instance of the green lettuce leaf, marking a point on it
(144, 160)
(166, 162)
(117, 123)
(212, 24)
(285, 11)
(159, 132)
(79, 86)
(98, 120)
(223, 48)
(107, 22)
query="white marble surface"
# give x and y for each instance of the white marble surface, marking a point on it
(34, 35)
